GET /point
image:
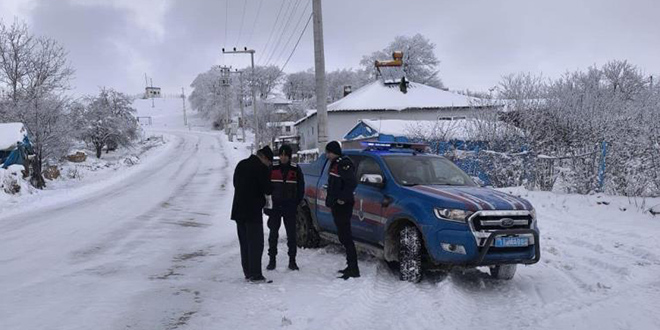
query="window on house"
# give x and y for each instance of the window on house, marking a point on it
(288, 129)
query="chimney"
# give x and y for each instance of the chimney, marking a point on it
(347, 90)
(403, 85)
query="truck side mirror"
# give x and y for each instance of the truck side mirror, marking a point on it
(375, 180)
(478, 181)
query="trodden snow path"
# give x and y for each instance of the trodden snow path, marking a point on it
(159, 252)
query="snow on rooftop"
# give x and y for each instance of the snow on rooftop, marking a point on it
(309, 151)
(377, 96)
(10, 134)
(308, 114)
(277, 100)
(280, 123)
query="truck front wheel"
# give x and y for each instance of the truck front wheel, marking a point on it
(503, 272)
(410, 254)
(306, 234)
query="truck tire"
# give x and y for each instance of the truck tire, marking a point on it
(306, 234)
(410, 254)
(503, 272)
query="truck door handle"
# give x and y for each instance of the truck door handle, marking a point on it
(387, 201)
(325, 187)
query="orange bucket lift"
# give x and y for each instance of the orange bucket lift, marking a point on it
(391, 71)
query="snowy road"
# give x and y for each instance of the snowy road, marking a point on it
(157, 251)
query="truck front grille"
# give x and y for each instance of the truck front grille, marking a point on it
(482, 223)
(490, 222)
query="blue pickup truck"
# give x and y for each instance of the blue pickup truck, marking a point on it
(417, 210)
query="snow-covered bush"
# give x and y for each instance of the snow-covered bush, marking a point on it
(604, 119)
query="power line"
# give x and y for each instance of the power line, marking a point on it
(226, 19)
(272, 30)
(293, 32)
(284, 31)
(255, 22)
(287, 11)
(279, 39)
(297, 42)
(240, 31)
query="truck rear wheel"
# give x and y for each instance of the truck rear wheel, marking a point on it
(503, 272)
(410, 254)
(306, 234)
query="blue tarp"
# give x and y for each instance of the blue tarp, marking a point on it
(17, 156)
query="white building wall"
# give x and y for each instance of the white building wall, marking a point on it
(340, 122)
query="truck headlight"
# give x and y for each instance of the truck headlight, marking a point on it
(452, 214)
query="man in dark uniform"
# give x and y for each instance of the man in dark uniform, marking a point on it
(288, 191)
(340, 199)
(251, 185)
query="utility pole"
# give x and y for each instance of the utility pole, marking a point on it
(254, 91)
(152, 97)
(240, 102)
(183, 96)
(225, 83)
(319, 68)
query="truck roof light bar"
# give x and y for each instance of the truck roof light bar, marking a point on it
(388, 146)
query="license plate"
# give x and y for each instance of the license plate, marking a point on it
(511, 241)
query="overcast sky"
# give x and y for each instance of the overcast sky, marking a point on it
(114, 43)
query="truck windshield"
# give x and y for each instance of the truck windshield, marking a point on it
(420, 170)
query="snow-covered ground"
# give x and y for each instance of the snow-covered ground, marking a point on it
(156, 250)
(78, 180)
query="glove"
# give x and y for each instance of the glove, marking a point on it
(269, 202)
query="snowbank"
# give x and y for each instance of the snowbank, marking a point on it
(12, 182)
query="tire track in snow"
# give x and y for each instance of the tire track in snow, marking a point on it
(146, 220)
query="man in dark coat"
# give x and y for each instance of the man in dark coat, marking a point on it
(341, 187)
(251, 185)
(288, 185)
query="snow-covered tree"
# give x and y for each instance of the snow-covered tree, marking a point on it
(337, 79)
(300, 85)
(106, 119)
(49, 126)
(208, 95)
(420, 62)
(16, 51)
(266, 78)
(33, 72)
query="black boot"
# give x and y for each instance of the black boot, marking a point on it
(259, 279)
(271, 263)
(350, 272)
(343, 271)
(292, 263)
